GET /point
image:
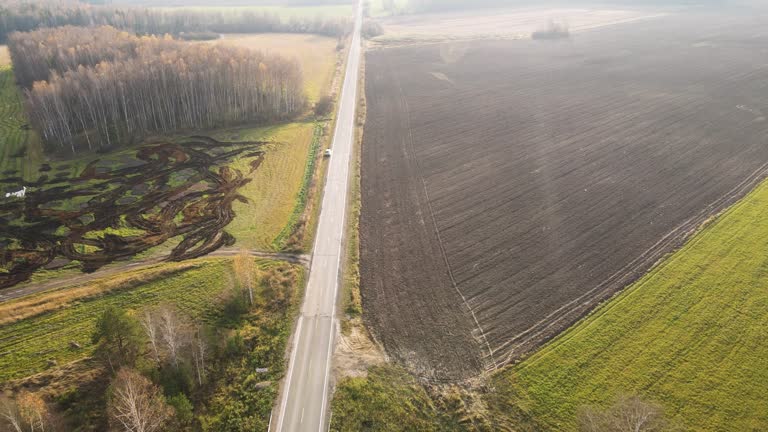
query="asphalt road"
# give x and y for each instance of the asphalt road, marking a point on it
(305, 398)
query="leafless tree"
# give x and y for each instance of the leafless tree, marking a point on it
(135, 404)
(199, 354)
(150, 326)
(34, 411)
(28, 413)
(627, 414)
(11, 416)
(172, 332)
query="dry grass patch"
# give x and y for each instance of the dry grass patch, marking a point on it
(5, 57)
(49, 301)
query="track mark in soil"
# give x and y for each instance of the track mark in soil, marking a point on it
(115, 209)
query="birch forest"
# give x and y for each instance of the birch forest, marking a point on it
(100, 87)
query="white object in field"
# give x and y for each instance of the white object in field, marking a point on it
(328, 152)
(18, 194)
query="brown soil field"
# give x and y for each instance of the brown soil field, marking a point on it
(508, 187)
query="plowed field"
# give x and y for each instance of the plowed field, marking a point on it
(510, 186)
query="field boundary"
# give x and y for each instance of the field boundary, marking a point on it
(542, 332)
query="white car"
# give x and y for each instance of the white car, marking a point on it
(328, 153)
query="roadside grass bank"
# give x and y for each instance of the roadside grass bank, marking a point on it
(351, 302)
(387, 399)
(283, 239)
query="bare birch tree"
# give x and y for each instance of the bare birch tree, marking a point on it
(28, 413)
(150, 326)
(199, 354)
(172, 332)
(119, 88)
(627, 414)
(135, 404)
(9, 412)
(34, 411)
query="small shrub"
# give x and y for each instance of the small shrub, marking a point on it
(175, 380)
(323, 106)
(235, 346)
(183, 409)
(371, 29)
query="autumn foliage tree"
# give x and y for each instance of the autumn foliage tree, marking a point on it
(245, 271)
(28, 412)
(101, 94)
(37, 54)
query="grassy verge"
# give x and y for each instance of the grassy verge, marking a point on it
(690, 335)
(351, 302)
(387, 399)
(302, 197)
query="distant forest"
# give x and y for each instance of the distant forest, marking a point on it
(448, 5)
(25, 15)
(102, 87)
(223, 2)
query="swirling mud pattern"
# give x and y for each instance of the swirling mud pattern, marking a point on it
(107, 212)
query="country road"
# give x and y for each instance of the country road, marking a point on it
(305, 395)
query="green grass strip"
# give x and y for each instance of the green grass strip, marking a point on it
(301, 199)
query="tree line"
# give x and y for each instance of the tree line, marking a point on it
(36, 54)
(120, 88)
(25, 15)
